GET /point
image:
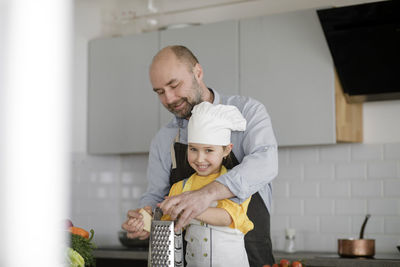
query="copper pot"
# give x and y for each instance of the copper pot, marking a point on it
(357, 247)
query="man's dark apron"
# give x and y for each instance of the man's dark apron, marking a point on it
(258, 241)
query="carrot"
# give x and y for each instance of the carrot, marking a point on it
(79, 231)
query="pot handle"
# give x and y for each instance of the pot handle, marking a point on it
(363, 226)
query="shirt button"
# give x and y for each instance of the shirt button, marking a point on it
(202, 223)
(205, 254)
(205, 239)
(192, 254)
(191, 239)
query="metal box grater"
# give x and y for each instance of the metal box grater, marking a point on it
(165, 247)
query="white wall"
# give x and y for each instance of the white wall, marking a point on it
(106, 187)
(381, 121)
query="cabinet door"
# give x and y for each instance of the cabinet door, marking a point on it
(122, 107)
(216, 46)
(286, 64)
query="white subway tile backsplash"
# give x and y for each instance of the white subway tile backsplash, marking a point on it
(366, 152)
(280, 189)
(336, 153)
(137, 192)
(391, 188)
(366, 188)
(127, 178)
(318, 206)
(384, 206)
(375, 225)
(306, 189)
(283, 156)
(93, 177)
(382, 169)
(308, 154)
(106, 227)
(125, 192)
(106, 177)
(392, 225)
(80, 191)
(322, 191)
(391, 151)
(339, 189)
(350, 206)
(127, 205)
(322, 171)
(101, 192)
(279, 223)
(290, 206)
(353, 170)
(137, 166)
(304, 224)
(290, 172)
(320, 242)
(387, 243)
(335, 224)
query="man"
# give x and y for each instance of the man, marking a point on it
(177, 78)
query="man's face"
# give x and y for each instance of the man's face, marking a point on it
(176, 86)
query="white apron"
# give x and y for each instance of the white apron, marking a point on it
(213, 246)
(216, 246)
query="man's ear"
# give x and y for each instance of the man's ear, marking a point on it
(198, 72)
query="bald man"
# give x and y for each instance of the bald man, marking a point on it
(177, 78)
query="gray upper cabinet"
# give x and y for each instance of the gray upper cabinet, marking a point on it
(285, 63)
(122, 107)
(216, 46)
(281, 60)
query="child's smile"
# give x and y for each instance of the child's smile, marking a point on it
(206, 159)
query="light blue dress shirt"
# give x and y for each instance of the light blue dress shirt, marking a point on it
(256, 149)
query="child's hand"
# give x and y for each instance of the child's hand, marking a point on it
(134, 224)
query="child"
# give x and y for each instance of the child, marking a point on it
(215, 237)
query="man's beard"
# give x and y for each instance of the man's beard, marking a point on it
(187, 111)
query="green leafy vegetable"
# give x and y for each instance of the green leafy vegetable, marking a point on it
(84, 247)
(74, 259)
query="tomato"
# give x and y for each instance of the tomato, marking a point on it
(266, 265)
(284, 263)
(275, 265)
(297, 264)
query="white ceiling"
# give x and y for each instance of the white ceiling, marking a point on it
(146, 15)
(148, 7)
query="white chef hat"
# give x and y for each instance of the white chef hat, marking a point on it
(212, 124)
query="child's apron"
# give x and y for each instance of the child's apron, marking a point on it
(216, 246)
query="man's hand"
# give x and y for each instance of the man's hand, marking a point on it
(191, 204)
(134, 224)
(186, 206)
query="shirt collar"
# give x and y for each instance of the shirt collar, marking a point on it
(182, 122)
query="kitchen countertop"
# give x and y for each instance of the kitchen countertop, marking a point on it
(310, 259)
(121, 252)
(330, 259)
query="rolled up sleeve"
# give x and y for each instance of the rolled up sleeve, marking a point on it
(259, 165)
(158, 172)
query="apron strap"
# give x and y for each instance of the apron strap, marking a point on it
(187, 185)
(172, 150)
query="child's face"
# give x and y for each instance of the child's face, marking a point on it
(206, 159)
